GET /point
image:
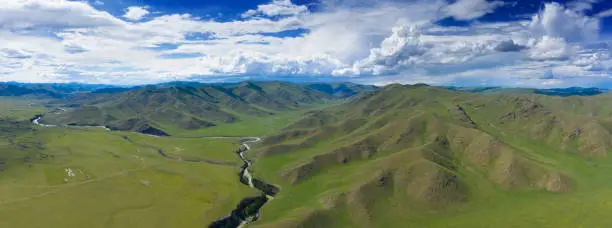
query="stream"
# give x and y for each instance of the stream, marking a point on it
(247, 211)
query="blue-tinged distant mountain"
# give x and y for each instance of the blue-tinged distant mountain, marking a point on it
(7, 89)
(49, 90)
(572, 91)
(562, 92)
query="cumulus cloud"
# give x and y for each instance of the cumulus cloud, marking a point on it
(551, 48)
(277, 8)
(381, 41)
(397, 50)
(135, 13)
(557, 21)
(52, 14)
(471, 9)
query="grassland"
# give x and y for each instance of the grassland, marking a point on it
(120, 179)
(116, 183)
(405, 156)
(19, 108)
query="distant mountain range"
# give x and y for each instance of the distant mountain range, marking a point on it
(63, 90)
(192, 106)
(562, 92)
(52, 90)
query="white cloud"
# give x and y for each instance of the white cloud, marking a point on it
(249, 13)
(277, 8)
(397, 50)
(22, 14)
(471, 9)
(377, 41)
(605, 13)
(551, 48)
(135, 13)
(581, 5)
(557, 21)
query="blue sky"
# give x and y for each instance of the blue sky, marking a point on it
(522, 43)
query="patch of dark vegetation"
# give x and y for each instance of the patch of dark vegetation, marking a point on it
(459, 113)
(114, 154)
(246, 211)
(152, 131)
(138, 125)
(342, 90)
(523, 108)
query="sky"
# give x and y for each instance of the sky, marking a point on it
(512, 43)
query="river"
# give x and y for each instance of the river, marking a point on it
(248, 209)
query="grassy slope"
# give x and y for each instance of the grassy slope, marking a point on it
(534, 178)
(117, 184)
(18, 108)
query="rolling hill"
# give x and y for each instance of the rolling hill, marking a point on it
(421, 155)
(185, 107)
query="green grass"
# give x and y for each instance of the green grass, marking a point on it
(16, 108)
(117, 183)
(248, 125)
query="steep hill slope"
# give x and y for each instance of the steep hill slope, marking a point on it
(406, 154)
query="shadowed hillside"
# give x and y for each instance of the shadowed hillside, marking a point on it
(342, 90)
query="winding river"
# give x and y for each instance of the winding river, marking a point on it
(247, 211)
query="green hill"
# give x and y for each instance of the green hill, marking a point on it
(184, 107)
(432, 157)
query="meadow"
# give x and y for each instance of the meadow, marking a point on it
(90, 177)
